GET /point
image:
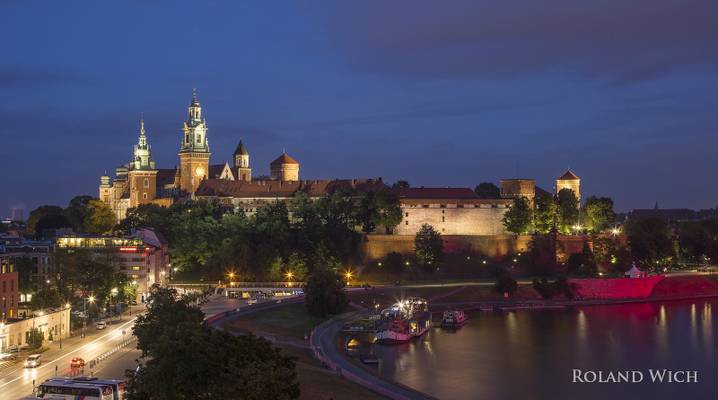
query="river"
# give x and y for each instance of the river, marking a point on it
(532, 354)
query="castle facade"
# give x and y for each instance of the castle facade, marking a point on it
(140, 181)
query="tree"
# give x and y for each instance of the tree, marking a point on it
(698, 240)
(297, 267)
(394, 263)
(610, 254)
(183, 358)
(401, 184)
(35, 338)
(567, 210)
(518, 218)
(598, 213)
(487, 190)
(324, 293)
(428, 247)
(506, 284)
(37, 214)
(100, 218)
(78, 212)
(650, 241)
(46, 297)
(387, 210)
(582, 263)
(545, 213)
(550, 289)
(51, 222)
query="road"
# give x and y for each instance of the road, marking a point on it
(17, 381)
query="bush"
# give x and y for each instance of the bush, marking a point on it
(35, 338)
(549, 290)
(324, 293)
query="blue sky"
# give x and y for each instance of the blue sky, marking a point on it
(438, 93)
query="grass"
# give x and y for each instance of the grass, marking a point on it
(291, 320)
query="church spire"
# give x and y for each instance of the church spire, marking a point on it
(142, 155)
(143, 138)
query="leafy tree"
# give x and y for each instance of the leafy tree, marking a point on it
(610, 254)
(35, 338)
(387, 211)
(487, 190)
(183, 358)
(428, 247)
(650, 241)
(51, 222)
(541, 256)
(506, 284)
(37, 214)
(324, 293)
(582, 263)
(24, 267)
(567, 210)
(100, 218)
(46, 297)
(698, 240)
(518, 218)
(78, 212)
(401, 184)
(550, 289)
(297, 266)
(545, 213)
(275, 273)
(598, 213)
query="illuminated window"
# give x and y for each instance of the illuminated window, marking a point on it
(137, 268)
(146, 183)
(144, 196)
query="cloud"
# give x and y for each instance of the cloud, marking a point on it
(619, 41)
(12, 76)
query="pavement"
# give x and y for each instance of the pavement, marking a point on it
(17, 381)
(323, 342)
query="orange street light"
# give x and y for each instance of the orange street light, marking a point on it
(289, 275)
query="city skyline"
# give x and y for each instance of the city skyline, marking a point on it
(354, 93)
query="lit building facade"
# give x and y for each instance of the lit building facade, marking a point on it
(141, 182)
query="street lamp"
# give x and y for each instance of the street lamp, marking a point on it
(289, 275)
(91, 299)
(348, 275)
(114, 293)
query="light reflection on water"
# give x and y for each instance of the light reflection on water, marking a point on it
(530, 354)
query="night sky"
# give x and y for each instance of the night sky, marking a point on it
(438, 93)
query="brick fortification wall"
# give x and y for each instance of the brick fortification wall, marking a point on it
(375, 247)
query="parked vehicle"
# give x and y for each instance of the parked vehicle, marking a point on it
(33, 361)
(7, 357)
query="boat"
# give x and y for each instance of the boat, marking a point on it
(453, 319)
(404, 321)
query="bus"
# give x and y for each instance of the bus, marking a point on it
(73, 391)
(118, 386)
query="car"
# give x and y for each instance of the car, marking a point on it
(33, 361)
(77, 362)
(100, 325)
(7, 357)
(251, 301)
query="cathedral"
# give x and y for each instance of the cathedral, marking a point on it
(141, 182)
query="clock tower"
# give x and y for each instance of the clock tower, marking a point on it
(194, 150)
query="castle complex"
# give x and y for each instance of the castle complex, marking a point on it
(141, 182)
(452, 211)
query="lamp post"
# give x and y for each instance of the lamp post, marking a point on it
(62, 322)
(114, 293)
(91, 299)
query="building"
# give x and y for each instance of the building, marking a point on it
(9, 290)
(52, 323)
(451, 211)
(143, 257)
(248, 196)
(33, 262)
(514, 188)
(569, 180)
(141, 182)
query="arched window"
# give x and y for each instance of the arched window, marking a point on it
(147, 182)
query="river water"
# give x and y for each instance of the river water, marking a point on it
(531, 354)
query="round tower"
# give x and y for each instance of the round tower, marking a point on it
(284, 168)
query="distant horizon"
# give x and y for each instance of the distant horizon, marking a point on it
(435, 94)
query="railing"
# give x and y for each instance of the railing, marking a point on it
(104, 356)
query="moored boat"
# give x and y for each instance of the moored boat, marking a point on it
(453, 319)
(403, 321)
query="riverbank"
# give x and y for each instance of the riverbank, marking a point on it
(285, 326)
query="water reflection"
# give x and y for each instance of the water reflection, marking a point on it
(530, 354)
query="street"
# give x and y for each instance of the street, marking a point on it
(17, 381)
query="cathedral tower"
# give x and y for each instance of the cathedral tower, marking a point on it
(194, 151)
(142, 174)
(241, 162)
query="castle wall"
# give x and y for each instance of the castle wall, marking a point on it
(453, 219)
(375, 247)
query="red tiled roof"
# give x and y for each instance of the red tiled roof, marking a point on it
(269, 188)
(569, 175)
(436, 193)
(284, 159)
